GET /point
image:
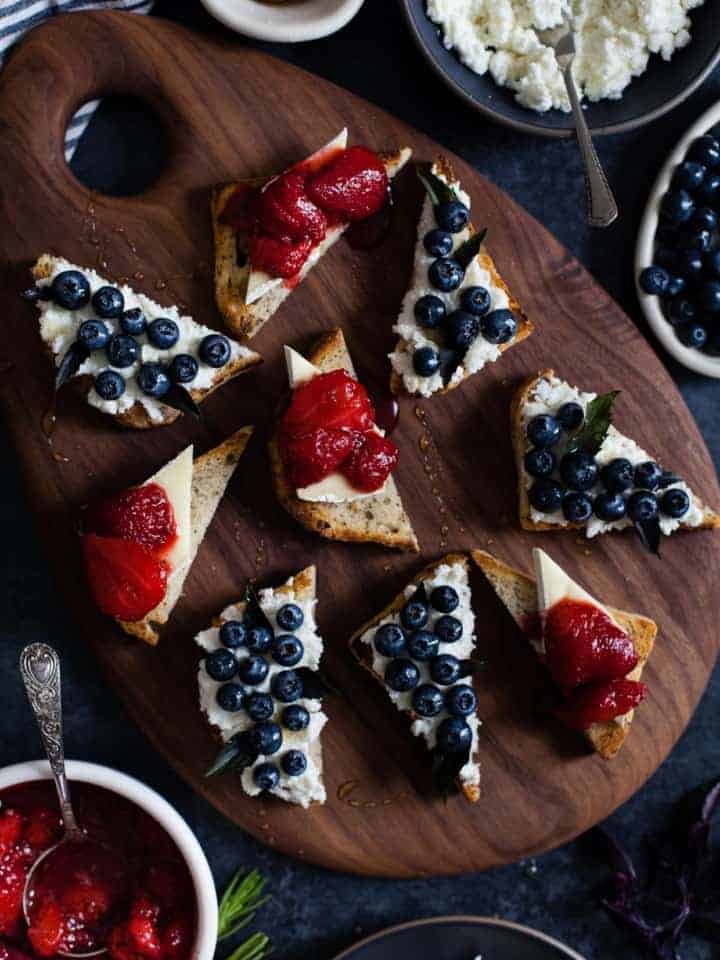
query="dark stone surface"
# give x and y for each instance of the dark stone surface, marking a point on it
(315, 913)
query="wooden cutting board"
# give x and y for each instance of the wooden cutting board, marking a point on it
(232, 112)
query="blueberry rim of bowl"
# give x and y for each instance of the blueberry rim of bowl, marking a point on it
(690, 357)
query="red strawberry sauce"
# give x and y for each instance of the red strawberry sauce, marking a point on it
(141, 904)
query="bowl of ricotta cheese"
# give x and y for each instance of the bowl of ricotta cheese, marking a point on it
(634, 60)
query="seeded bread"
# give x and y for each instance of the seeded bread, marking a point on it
(243, 319)
(377, 519)
(363, 654)
(211, 475)
(525, 326)
(137, 416)
(711, 519)
(519, 594)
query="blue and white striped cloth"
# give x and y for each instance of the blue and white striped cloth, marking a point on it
(17, 16)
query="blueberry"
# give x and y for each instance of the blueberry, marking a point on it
(476, 300)
(183, 368)
(108, 303)
(579, 470)
(461, 329)
(444, 599)
(109, 385)
(230, 697)
(448, 629)
(712, 264)
(122, 350)
(709, 192)
(287, 650)
(390, 640)
(454, 735)
(545, 495)
(691, 334)
(679, 310)
(694, 239)
(427, 700)
(451, 215)
(402, 675)
(295, 718)
(577, 507)
(674, 503)
(677, 206)
(260, 706)
(287, 686)
(438, 243)
(93, 334)
(133, 322)
(642, 505)
(704, 218)
(215, 350)
(233, 634)
(689, 264)
(290, 617)
(445, 274)
(294, 763)
(709, 296)
(539, 463)
(617, 475)
(266, 776)
(445, 669)
(414, 614)
(426, 361)
(423, 645)
(675, 286)
(689, 175)
(570, 415)
(253, 670)
(647, 475)
(259, 638)
(153, 380)
(543, 430)
(705, 150)
(499, 326)
(654, 280)
(461, 701)
(429, 311)
(609, 506)
(163, 333)
(267, 737)
(221, 665)
(70, 290)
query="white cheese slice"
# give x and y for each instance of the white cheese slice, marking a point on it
(176, 480)
(299, 370)
(553, 585)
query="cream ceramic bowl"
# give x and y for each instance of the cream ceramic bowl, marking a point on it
(168, 818)
(289, 22)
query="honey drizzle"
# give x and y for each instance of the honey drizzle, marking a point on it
(432, 465)
(347, 788)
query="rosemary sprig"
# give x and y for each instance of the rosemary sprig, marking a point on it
(256, 947)
(242, 897)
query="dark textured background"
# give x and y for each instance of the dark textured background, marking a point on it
(313, 912)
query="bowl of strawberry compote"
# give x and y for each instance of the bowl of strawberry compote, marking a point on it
(157, 902)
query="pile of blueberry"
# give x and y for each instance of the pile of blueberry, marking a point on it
(409, 643)
(241, 664)
(686, 265)
(579, 487)
(459, 328)
(71, 291)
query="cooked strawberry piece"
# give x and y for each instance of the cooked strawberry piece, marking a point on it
(9, 952)
(583, 645)
(177, 939)
(354, 184)
(145, 908)
(142, 515)
(333, 401)
(47, 930)
(43, 828)
(312, 457)
(278, 258)
(371, 462)
(167, 883)
(11, 828)
(600, 703)
(127, 580)
(87, 901)
(13, 870)
(145, 936)
(287, 213)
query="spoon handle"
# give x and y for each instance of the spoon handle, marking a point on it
(40, 671)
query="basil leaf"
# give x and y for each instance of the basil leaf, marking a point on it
(450, 360)
(446, 768)
(667, 479)
(466, 252)
(314, 686)
(179, 398)
(254, 613)
(649, 533)
(71, 363)
(438, 191)
(236, 754)
(592, 433)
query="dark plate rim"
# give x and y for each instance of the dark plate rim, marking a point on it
(554, 132)
(461, 918)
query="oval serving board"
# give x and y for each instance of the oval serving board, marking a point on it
(232, 112)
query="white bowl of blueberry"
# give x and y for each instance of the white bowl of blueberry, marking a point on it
(677, 259)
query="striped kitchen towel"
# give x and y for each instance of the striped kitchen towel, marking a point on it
(17, 16)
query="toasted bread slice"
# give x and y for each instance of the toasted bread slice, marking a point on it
(58, 329)
(308, 788)
(375, 519)
(519, 594)
(231, 277)
(702, 516)
(468, 781)
(211, 474)
(482, 272)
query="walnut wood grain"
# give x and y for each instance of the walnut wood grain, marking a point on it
(230, 113)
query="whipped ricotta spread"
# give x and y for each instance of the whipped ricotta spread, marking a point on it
(445, 575)
(412, 336)
(614, 40)
(547, 397)
(59, 327)
(308, 787)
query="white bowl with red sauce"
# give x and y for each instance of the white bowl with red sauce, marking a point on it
(173, 845)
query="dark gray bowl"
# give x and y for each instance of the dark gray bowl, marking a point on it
(663, 86)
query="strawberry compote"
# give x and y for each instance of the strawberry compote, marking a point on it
(140, 903)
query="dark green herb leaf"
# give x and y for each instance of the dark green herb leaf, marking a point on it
(649, 533)
(450, 360)
(71, 363)
(314, 686)
(446, 768)
(236, 754)
(179, 398)
(598, 417)
(242, 897)
(437, 189)
(468, 668)
(667, 479)
(420, 595)
(466, 252)
(256, 947)
(254, 614)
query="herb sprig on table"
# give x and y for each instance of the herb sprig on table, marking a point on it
(243, 897)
